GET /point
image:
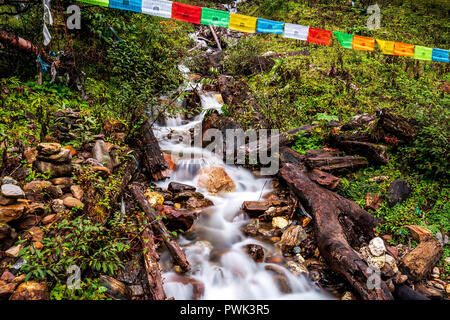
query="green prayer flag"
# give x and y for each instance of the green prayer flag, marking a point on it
(103, 3)
(215, 17)
(423, 53)
(344, 38)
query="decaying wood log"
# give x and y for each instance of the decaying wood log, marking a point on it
(282, 139)
(151, 262)
(324, 179)
(336, 164)
(404, 292)
(390, 125)
(376, 154)
(339, 223)
(160, 229)
(419, 262)
(153, 157)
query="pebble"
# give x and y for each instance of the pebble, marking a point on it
(280, 222)
(9, 180)
(58, 206)
(377, 247)
(348, 296)
(14, 251)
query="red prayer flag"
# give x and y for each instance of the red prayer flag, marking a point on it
(186, 12)
(319, 36)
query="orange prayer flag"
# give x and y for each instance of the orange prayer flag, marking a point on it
(387, 47)
(403, 49)
(319, 36)
(363, 43)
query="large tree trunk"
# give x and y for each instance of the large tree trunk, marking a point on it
(12, 40)
(338, 224)
(153, 157)
(178, 255)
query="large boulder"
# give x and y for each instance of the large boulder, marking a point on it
(31, 290)
(215, 180)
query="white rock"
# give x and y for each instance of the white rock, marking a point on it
(376, 247)
(377, 262)
(12, 191)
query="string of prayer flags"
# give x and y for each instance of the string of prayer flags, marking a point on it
(131, 5)
(239, 22)
(319, 36)
(423, 53)
(242, 23)
(363, 43)
(403, 49)
(345, 39)
(269, 26)
(218, 18)
(102, 3)
(441, 55)
(160, 8)
(186, 12)
(387, 47)
(295, 31)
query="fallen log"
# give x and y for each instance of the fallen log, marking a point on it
(153, 158)
(178, 255)
(336, 164)
(419, 262)
(339, 223)
(151, 262)
(324, 179)
(376, 154)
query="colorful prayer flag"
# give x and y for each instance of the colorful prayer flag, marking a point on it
(440, 55)
(387, 47)
(160, 8)
(269, 26)
(186, 12)
(345, 39)
(131, 5)
(363, 43)
(319, 36)
(403, 49)
(239, 22)
(102, 3)
(214, 17)
(295, 31)
(423, 53)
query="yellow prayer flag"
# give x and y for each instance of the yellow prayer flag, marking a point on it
(239, 22)
(404, 49)
(387, 47)
(363, 43)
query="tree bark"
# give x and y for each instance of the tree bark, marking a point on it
(151, 261)
(153, 157)
(12, 40)
(160, 229)
(338, 224)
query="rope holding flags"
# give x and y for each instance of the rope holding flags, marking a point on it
(238, 22)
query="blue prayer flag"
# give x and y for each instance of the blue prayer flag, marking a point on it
(441, 55)
(269, 26)
(130, 5)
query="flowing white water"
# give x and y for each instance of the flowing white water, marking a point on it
(216, 255)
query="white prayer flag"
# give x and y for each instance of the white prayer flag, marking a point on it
(295, 31)
(160, 8)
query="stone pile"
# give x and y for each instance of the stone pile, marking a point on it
(53, 159)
